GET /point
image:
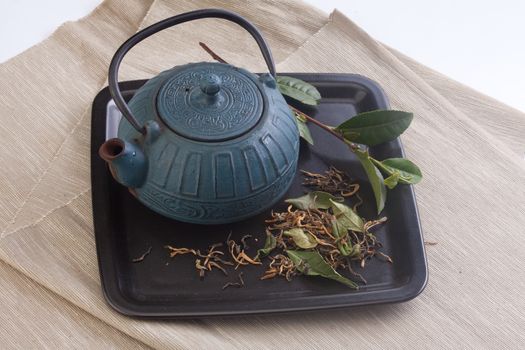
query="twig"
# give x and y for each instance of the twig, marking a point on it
(231, 284)
(143, 256)
(211, 53)
(243, 241)
(332, 131)
(235, 284)
(355, 273)
(241, 279)
(387, 258)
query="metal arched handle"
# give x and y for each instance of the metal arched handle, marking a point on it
(169, 22)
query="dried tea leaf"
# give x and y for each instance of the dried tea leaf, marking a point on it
(179, 251)
(298, 90)
(347, 218)
(333, 181)
(143, 256)
(301, 238)
(245, 258)
(314, 200)
(311, 263)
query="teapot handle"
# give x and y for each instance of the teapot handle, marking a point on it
(169, 22)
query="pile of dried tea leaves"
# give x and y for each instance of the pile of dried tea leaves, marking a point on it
(318, 235)
(215, 258)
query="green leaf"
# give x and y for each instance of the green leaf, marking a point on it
(269, 245)
(375, 178)
(313, 200)
(311, 263)
(347, 218)
(301, 238)
(348, 250)
(298, 90)
(304, 131)
(356, 250)
(373, 128)
(409, 173)
(339, 232)
(392, 180)
(344, 248)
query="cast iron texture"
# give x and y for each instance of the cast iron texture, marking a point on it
(210, 180)
(166, 288)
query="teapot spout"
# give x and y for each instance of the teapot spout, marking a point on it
(126, 161)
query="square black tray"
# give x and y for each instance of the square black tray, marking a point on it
(162, 287)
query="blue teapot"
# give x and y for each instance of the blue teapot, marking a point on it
(205, 143)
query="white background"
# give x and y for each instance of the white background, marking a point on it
(478, 42)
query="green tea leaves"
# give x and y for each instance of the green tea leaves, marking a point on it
(302, 239)
(340, 232)
(269, 245)
(375, 178)
(311, 263)
(407, 171)
(313, 200)
(350, 251)
(375, 127)
(298, 90)
(304, 131)
(347, 218)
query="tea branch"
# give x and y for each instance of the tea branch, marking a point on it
(325, 127)
(211, 53)
(368, 129)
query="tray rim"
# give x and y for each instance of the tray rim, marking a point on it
(120, 303)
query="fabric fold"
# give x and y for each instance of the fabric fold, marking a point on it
(501, 121)
(45, 91)
(48, 320)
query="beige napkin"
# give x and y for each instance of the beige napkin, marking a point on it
(468, 146)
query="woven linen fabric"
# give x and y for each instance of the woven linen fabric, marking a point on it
(173, 46)
(500, 120)
(471, 203)
(471, 199)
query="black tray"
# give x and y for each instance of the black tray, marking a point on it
(162, 287)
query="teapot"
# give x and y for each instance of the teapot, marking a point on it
(207, 142)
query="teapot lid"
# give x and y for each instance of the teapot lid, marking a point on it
(210, 101)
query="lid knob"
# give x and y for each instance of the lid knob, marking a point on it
(211, 84)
